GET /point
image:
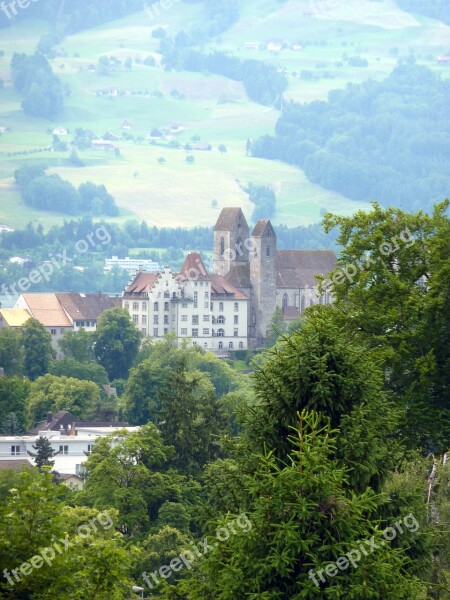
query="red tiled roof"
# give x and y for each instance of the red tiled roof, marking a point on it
(219, 285)
(143, 282)
(194, 267)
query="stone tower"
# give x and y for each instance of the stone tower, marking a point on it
(231, 240)
(263, 277)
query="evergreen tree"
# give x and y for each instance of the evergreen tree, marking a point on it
(44, 453)
(277, 327)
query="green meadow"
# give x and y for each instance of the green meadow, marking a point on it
(153, 181)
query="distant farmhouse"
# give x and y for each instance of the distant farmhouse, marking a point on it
(231, 307)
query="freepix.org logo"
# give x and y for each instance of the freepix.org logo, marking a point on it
(12, 9)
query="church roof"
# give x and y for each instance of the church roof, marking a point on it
(261, 227)
(298, 268)
(228, 219)
(239, 275)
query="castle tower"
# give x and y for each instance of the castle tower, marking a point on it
(263, 277)
(231, 240)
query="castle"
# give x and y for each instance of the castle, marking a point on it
(231, 307)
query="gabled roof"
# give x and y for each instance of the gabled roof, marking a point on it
(15, 317)
(298, 268)
(229, 218)
(194, 267)
(15, 463)
(239, 275)
(263, 228)
(52, 425)
(86, 306)
(219, 285)
(46, 309)
(143, 282)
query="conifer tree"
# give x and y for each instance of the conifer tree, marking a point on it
(44, 453)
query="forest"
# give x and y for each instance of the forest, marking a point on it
(386, 140)
(436, 9)
(307, 478)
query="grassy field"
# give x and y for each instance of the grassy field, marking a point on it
(211, 107)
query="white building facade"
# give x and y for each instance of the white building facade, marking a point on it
(201, 308)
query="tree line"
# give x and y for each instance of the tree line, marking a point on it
(388, 140)
(52, 193)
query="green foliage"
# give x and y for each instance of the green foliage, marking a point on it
(397, 298)
(277, 327)
(11, 351)
(117, 342)
(78, 345)
(300, 518)
(87, 371)
(43, 457)
(50, 394)
(264, 199)
(328, 369)
(37, 344)
(14, 392)
(33, 77)
(361, 159)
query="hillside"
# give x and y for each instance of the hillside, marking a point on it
(153, 181)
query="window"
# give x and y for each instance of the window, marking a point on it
(61, 331)
(127, 305)
(230, 345)
(167, 294)
(155, 320)
(166, 331)
(285, 302)
(195, 299)
(184, 331)
(144, 306)
(241, 345)
(89, 450)
(144, 331)
(15, 450)
(64, 449)
(136, 319)
(92, 323)
(166, 306)
(135, 305)
(184, 305)
(222, 246)
(220, 333)
(155, 333)
(221, 306)
(220, 345)
(195, 333)
(236, 307)
(194, 319)
(207, 295)
(206, 332)
(268, 251)
(206, 318)
(303, 304)
(184, 317)
(206, 304)
(194, 343)
(166, 319)
(144, 319)
(53, 331)
(236, 320)
(236, 333)
(156, 306)
(221, 320)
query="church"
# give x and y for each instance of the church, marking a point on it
(230, 306)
